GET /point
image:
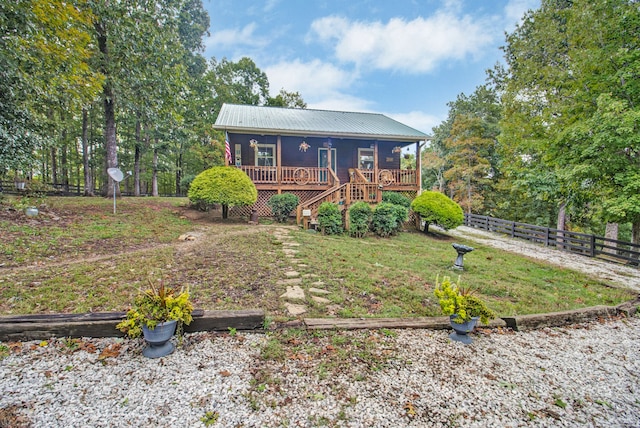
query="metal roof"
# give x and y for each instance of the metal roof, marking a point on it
(308, 122)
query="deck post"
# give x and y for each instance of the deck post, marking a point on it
(279, 163)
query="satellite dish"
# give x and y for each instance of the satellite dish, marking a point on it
(115, 174)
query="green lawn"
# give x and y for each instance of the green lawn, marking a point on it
(77, 257)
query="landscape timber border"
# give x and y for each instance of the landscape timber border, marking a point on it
(102, 324)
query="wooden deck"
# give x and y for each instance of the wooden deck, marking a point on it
(285, 178)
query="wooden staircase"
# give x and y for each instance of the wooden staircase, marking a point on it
(342, 195)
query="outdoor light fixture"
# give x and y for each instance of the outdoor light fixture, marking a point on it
(253, 143)
(303, 146)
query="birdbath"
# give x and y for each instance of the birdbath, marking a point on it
(462, 250)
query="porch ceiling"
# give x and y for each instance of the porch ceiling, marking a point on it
(308, 122)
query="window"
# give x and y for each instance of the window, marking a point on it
(365, 158)
(266, 155)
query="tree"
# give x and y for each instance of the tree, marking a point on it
(463, 154)
(239, 82)
(44, 63)
(570, 65)
(436, 208)
(223, 185)
(287, 99)
(470, 169)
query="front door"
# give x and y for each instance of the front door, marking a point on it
(323, 162)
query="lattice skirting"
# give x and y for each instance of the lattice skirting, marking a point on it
(261, 204)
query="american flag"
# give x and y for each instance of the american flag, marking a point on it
(227, 149)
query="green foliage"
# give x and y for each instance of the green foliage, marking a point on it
(185, 182)
(401, 214)
(281, 205)
(329, 219)
(436, 208)
(384, 221)
(156, 305)
(4, 351)
(456, 300)
(223, 185)
(287, 99)
(210, 418)
(360, 215)
(396, 198)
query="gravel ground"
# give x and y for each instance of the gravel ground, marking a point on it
(577, 376)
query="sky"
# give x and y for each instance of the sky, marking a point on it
(402, 58)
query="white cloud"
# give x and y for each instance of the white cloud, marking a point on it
(312, 79)
(515, 10)
(234, 37)
(417, 119)
(415, 46)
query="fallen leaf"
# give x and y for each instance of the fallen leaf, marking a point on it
(112, 350)
(411, 411)
(88, 347)
(225, 373)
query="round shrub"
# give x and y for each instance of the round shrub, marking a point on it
(360, 215)
(224, 185)
(396, 198)
(329, 219)
(281, 205)
(437, 208)
(401, 214)
(383, 222)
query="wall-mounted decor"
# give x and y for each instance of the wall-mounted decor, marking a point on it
(303, 146)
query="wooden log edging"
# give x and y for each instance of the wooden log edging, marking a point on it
(517, 323)
(103, 324)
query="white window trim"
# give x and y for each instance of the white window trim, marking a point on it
(273, 146)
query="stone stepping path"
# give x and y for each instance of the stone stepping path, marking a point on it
(295, 295)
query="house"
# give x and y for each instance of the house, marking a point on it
(319, 155)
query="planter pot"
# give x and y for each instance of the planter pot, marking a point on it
(158, 339)
(461, 330)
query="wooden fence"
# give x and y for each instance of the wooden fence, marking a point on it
(579, 243)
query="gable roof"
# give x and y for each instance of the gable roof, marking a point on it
(309, 122)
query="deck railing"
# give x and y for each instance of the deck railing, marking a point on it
(325, 176)
(287, 175)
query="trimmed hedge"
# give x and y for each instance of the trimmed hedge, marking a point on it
(384, 222)
(437, 208)
(396, 198)
(329, 219)
(225, 185)
(360, 215)
(281, 205)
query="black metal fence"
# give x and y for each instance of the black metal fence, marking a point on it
(16, 188)
(579, 243)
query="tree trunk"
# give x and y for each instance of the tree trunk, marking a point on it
(562, 220)
(88, 181)
(110, 136)
(154, 182)
(225, 211)
(611, 232)
(635, 232)
(64, 164)
(178, 173)
(54, 166)
(111, 144)
(136, 162)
